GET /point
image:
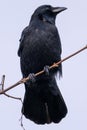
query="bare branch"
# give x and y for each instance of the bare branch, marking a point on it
(41, 72)
(2, 88)
(17, 98)
(21, 120)
(2, 82)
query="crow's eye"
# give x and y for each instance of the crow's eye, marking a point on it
(49, 12)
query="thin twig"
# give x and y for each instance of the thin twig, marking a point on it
(17, 98)
(3, 81)
(21, 120)
(41, 72)
(2, 88)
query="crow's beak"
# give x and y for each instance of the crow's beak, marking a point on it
(58, 9)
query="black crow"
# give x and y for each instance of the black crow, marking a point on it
(39, 48)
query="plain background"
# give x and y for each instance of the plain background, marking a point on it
(72, 26)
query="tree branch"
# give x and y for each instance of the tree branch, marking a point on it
(41, 72)
(2, 89)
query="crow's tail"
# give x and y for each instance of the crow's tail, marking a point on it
(43, 103)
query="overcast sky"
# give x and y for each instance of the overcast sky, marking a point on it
(72, 26)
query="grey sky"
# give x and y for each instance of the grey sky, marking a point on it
(72, 26)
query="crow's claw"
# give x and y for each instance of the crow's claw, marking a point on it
(32, 78)
(46, 70)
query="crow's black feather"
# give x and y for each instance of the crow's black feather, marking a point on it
(40, 46)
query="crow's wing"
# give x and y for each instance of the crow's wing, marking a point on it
(22, 43)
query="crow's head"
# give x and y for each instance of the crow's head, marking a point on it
(47, 13)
